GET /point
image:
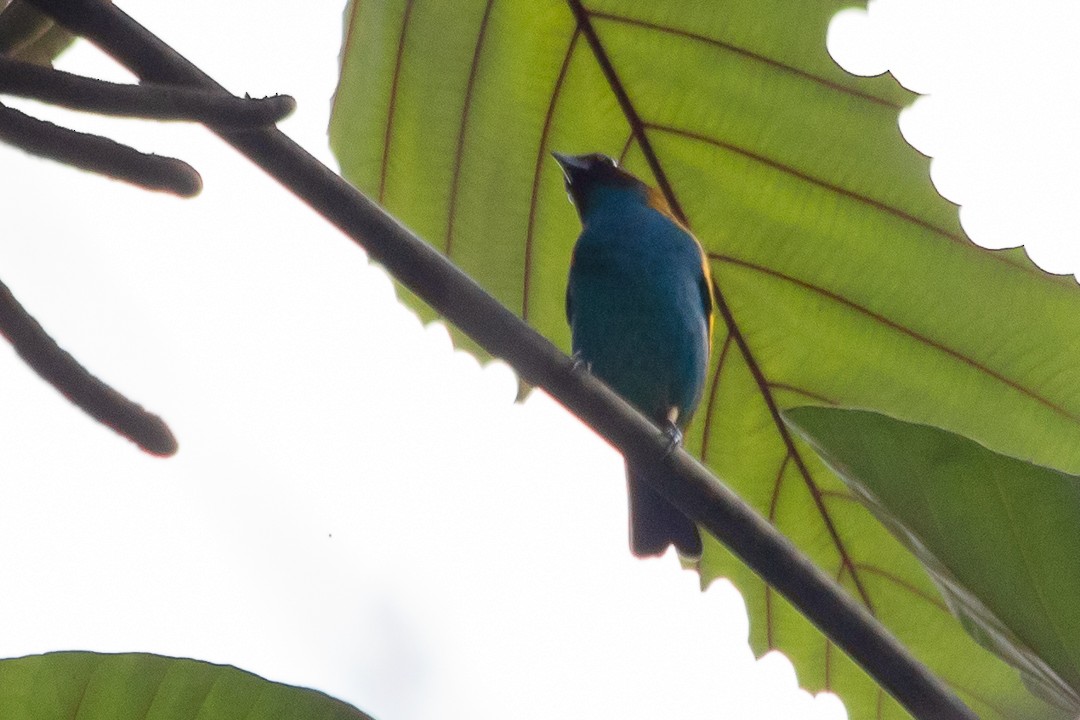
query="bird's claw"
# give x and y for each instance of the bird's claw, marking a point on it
(580, 363)
(675, 437)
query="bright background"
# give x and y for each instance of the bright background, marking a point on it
(356, 506)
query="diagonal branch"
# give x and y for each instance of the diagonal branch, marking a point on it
(438, 282)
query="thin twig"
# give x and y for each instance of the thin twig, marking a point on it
(151, 101)
(97, 154)
(57, 367)
(432, 277)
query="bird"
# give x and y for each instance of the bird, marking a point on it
(639, 302)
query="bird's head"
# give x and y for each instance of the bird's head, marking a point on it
(588, 176)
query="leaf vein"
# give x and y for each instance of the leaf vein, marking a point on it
(626, 147)
(905, 585)
(777, 484)
(637, 126)
(789, 442)
(1029, 565)
(541, 154)
(706, 430)
(956, 237)
(802, 391)
(455, 177)
(903, 329)
(392, 105)
(749, 54)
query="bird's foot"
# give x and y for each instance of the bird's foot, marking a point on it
(580, 363)
(675, 437)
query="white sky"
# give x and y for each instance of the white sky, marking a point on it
(356, 506)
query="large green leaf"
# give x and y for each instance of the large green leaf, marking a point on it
(130, 686)
(999, 535)
(842, 276)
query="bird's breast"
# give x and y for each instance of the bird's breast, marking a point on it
(637, 315)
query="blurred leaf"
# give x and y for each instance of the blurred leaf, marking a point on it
(999, 535)
(29, 35)
(845, 277)
(93, 686)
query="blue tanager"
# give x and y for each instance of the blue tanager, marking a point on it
(640, 306)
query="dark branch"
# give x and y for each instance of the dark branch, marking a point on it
(155, 102)
(97, 154)
(57, 367)
(442, 285)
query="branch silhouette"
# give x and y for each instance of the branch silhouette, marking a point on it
(77, 384)
(101, 155)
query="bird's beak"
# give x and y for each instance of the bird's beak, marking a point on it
(570, 163)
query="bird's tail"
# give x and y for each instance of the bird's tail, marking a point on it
(655, 523)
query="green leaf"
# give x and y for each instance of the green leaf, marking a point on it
(93, 686)
(999, 535)
(843, 277)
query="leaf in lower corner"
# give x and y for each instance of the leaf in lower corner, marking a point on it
(1000, 536)
(96, 686)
